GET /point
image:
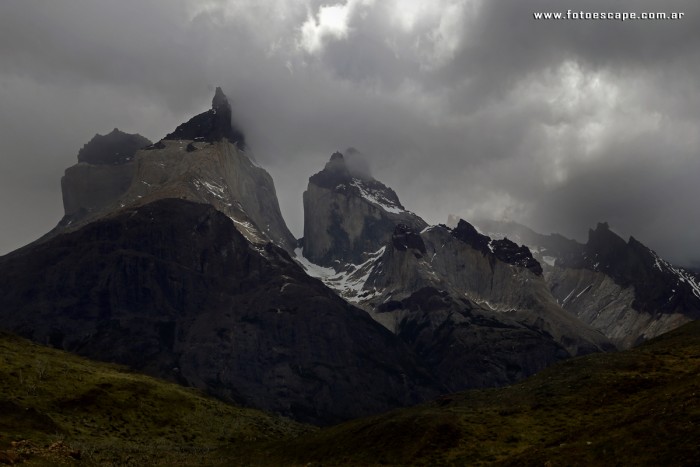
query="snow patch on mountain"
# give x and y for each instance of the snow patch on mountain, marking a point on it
(211, 188)
(376, 197)
(350, 281)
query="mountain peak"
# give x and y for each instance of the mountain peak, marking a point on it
(405, 238)
(334, 173)
(469, 235)
(349, 165)
(336, 165)
(113, 148)
(347, 213)
(213, 125)
(220, 101)
(602, 239)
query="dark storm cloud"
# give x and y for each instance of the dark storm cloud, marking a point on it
(462, 106)
(646, 200)
(507, 43)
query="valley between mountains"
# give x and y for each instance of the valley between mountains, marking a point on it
(408, 343)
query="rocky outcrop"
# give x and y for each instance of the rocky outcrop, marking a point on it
(171, 288)
(114, 148)
(503, 249)
(519, 255)
(213, 125)
(348, 214)
(405, 238)
(453, 265)
(624, 289)
(104, 172)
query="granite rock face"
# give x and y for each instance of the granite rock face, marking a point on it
(348, 214)
(104, 172)
(173, 289)
(114, 148)
(405, 238)
(504, 249)
(477, 311)
(623, 289)
(211, 167)
(219, 174)
(508, 291)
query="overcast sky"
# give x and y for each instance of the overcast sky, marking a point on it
(470, 107)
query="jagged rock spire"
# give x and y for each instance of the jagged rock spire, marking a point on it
(220, 101)
(213, 125)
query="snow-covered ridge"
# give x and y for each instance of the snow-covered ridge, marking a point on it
(376, 197)
(350, 282)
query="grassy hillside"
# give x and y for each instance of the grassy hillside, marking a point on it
(639, 407)
(56, 408)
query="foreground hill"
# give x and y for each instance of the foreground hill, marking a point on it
(638, 407)
(58, 409)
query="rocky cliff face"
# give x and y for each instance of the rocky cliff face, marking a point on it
(623, 289)
(477, 311)
(114, 148)
(453, 264)
(215, 173)
(210, 167)
(104, 172)
(348, 214)
(172, 288)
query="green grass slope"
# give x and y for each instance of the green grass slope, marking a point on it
(57, 408)
(639, 407)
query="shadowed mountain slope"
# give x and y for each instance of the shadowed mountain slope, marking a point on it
(638, 407)
(172, 289)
